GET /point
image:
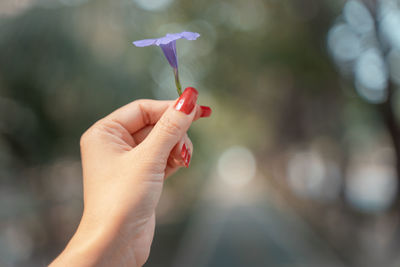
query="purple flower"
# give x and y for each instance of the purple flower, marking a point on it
(168, 46)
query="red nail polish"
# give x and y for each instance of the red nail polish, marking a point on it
(205, 111)
(187, 160)
(187, 100)
(184, 153)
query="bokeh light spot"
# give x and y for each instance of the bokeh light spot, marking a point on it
(358, 17)
(237, 166)
(153, 5)
(390, 26)
(371, 188)
(311, 177)
(371, 76)
(344, 44)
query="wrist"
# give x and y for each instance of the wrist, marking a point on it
(95, 244)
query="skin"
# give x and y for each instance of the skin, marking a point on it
(126, 157)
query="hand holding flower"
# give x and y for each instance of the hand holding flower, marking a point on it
(125, 157)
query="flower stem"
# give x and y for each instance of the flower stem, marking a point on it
(177, 82)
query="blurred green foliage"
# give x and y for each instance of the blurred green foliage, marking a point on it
(263, 67)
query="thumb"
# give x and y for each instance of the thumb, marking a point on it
(172, 125)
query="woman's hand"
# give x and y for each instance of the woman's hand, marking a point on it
(125, 157)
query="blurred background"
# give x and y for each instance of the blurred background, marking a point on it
(298, 166)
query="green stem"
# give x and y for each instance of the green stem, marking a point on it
(177, 82)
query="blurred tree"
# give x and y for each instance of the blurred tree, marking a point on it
(364, 44)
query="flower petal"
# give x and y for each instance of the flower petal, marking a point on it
(146, 42)
(170, 53)
(190, 35)
(168, 38)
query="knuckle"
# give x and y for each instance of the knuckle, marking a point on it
(89, 134)
(145, 115)
(139, 102)
(84, 138)
(188, 142)
(191, 147)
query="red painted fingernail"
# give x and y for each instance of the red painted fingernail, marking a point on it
(184, 153)
(187, 160)
(187, 101)
(205, 111)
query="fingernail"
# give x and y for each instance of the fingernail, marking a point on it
(205, 111)
(187, 101)
(187, 160)
(184, 154)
